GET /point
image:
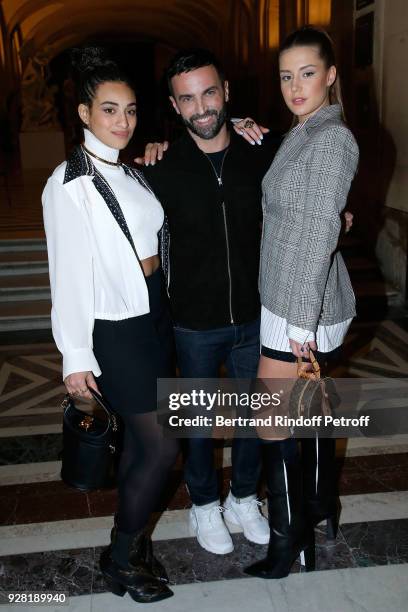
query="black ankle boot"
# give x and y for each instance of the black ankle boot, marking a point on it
(124, 568)
(290, 532)
(156, 567)
(320, 483)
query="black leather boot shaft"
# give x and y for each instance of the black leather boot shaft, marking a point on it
(319, 479)
(290, 533)
(284, 484)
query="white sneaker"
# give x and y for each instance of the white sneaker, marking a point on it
(207, 524)
(246, 513)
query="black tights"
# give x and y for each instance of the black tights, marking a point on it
(146, 459)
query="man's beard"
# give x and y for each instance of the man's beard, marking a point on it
(210, 131)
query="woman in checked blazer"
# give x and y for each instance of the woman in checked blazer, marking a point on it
(306, 294)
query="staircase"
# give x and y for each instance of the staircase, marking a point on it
(25, 299)
(25, 302)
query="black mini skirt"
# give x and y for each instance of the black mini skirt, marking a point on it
(290, 357)
(133, 353)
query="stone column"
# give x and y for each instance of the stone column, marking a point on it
(5, 66)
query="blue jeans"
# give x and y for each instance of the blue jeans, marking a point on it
(200, 354)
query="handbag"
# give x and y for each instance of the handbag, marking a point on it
(312, 396)
(90, 446)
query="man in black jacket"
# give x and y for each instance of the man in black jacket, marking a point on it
(209, 184)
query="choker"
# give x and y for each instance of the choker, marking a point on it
(105, 161)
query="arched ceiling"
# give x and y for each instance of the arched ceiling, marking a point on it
(63, 23)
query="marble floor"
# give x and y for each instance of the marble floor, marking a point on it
(51, 536)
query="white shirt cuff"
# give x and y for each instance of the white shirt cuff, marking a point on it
(80, 360)
(299, 335)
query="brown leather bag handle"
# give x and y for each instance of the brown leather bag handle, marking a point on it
(302, 371)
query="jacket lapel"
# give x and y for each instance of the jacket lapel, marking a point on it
(298, 136)
(289, 149)
(78, 164)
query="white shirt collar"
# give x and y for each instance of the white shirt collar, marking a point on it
(99, 148)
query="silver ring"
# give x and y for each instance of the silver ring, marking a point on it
(249, 123)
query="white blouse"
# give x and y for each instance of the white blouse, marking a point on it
(94, 273)
(275, 333)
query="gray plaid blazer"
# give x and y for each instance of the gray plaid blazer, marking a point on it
(303, 277)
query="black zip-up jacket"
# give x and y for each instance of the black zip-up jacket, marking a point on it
(214, 230)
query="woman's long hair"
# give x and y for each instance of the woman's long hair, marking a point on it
(311, 36)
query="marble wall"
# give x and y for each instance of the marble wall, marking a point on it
(380, 121)
(392, 58)
(392, 248)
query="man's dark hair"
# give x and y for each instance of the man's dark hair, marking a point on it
(191, 59)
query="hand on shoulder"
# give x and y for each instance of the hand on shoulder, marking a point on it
(153, 152)
(250, 130)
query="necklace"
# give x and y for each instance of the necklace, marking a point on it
(217, 171)
(105, 161)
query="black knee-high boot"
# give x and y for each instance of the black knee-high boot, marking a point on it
(290, 532)
(320, 483)
(125, 568)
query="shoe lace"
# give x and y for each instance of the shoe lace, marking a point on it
(214, 515)
(252, 508)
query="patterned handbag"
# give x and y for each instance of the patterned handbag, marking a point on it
(90, 446)
(312, 395)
